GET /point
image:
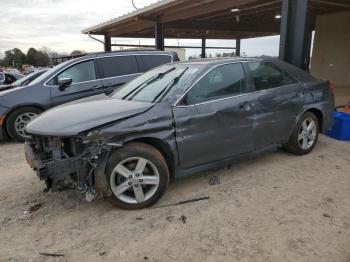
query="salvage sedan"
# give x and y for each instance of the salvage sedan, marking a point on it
(175, 120)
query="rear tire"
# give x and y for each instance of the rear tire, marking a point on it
(18, 119)
(304, 136)
(138, 176)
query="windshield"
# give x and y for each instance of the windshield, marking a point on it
(2, 77)
(158, 85)
(48, 73)
(26, 79)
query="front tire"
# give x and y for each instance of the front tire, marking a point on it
(18, 119)
(304, 136)
(137, 175)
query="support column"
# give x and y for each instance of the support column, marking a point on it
(238, 47)
(159, 34)
(203, 55)
(308, 49)
(294, 41)
(107, 43)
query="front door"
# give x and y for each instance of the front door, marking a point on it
(84, 83)
(215, 120)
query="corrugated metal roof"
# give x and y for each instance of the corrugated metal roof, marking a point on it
(128, 15)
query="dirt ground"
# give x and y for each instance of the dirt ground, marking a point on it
(277, 207)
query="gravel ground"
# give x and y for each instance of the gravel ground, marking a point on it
(277, 207)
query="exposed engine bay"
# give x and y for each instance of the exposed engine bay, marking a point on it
(69, 163)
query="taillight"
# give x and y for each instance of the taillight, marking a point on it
(331, 86)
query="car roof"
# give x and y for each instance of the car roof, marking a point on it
(223, 60)
(14, 74)
(129, 52)
(213, 62)
(122, 52)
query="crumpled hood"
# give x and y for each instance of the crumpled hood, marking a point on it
(73, 118)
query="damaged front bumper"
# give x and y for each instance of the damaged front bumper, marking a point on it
(68, 161)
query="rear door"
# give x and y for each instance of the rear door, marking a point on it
(278, 102)
(85, 83)
(215, 120)
(148, 62)
(117, 70)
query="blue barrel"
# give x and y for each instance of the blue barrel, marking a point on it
(341, 127)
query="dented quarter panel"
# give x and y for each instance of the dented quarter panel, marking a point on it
(318, 96)
(156, 123)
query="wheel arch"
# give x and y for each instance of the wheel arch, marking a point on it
(162, 146)
(8, 113)
(318, 113)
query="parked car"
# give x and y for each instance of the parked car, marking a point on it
(23, 81)
(176, 120)
(8, 78)
(74, 79)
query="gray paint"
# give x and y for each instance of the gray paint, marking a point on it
(82, 115)
(196, 137)
(43, 96)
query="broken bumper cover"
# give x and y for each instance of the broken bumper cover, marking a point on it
(86, 170)
(55, 169)
(31, 159)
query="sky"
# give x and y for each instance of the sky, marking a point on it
(57, 24)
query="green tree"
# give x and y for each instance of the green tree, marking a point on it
(77, 53)
(41, 59)
(14, 54)
(31, 56)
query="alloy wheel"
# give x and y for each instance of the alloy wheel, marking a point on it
(22, 120)
(134, 180)
(307, 134)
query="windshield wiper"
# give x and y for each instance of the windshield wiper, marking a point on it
(139, 88)
(168, 87)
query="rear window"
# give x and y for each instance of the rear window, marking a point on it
(119, 66)
(266, 75)
(2, 76)
(152, 61)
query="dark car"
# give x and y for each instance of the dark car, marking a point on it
(175, 120)
(23, 81)
(9, 78)
(71, 80)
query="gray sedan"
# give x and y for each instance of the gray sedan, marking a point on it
(175, 120)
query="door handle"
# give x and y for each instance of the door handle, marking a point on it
(299, 94)
(246, 106)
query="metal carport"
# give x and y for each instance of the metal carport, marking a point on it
(294, 20)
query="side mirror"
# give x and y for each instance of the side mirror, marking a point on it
(184, 101)
(64, 82)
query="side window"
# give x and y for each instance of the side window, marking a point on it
(9, 79)
(152, 61)
(81, 72)
(223, 81)
(119, 66)
(266, 75)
